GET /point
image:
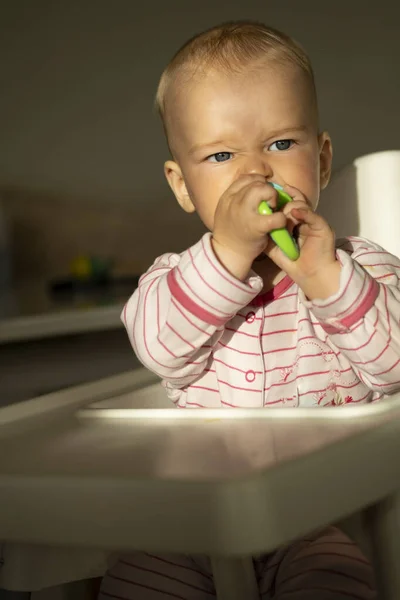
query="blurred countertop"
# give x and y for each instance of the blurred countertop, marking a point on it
(30, 311)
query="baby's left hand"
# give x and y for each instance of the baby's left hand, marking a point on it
(316, 271)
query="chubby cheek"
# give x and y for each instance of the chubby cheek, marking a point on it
(311, 189)
(205, 191)
(205, 200)
(308, 179)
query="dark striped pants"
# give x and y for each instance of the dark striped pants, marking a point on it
(324, 566)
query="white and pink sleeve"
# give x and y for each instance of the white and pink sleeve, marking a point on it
(362, 319)
(179, 310)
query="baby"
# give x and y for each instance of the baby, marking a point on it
(231, 321)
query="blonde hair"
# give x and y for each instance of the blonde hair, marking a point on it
(232, 46)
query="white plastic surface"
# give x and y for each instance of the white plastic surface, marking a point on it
(74, 481)
(363, 199)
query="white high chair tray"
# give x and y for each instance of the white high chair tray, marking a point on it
(229, 482)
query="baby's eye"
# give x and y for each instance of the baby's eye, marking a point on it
(281, 145)
(220, 157)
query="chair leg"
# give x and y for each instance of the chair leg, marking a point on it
(235, 578)
(384, 529)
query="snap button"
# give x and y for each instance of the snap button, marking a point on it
(250, 376)
(250, 317)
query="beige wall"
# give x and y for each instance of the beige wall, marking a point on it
(48, 231)
(78, 78)
(81, 143)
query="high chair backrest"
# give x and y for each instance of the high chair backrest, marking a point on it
(363, 199)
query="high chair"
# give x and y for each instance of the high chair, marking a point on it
(363, 199)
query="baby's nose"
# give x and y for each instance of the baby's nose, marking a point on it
(258, 165)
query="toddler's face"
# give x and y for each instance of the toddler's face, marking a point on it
(225, 126)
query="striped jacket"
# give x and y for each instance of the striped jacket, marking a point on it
(217, 342)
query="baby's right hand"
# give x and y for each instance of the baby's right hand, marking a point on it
(240, 232)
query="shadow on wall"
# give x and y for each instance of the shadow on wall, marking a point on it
(363, 199)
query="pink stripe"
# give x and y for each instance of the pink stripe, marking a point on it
(209, 286)
(310, 374)
(231, 405)
(302, 339)
(184, 315)
(158, 310)
(382, 385)
(282, 367)
(224, 403)
(287, 349)
(273, 402)
(202, 387)
(274, 293)
(234, 282)
(364, 345)
(144, 331)
(238, 351)
(218, 360)
(278, 331)
(238, 332)
(346, 387)
(282, 314)
(281, 384)
(308, 320)
(331, 330)
(235, 387)
(195, 404)
(375, 359)
(361, 294)
(167, 350)
(180, 336)
(378, 252)
(384, 265)
(189, 304)
(385, 276)
(363, 398)
(388, 370)
(343, 292)
(364, 307)
(150, 275)
(201, 297)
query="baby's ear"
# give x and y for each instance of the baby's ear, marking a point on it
(177, 184)
(325, 158)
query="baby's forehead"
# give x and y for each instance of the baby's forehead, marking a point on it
(192, 93)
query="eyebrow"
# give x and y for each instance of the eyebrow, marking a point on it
(198, 147)
(273, 134)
